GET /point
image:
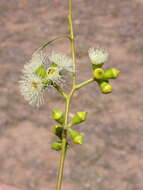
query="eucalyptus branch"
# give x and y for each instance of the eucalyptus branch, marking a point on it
(68, 99)
(38, 75)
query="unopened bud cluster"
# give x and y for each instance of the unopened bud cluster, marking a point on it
(98, 57)
(58, 129)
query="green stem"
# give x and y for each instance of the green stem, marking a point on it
(60, 91)
(78, 86)
(61, 166)
(64, 144)
(53, 40)
(64, 135)
(68, 100)
(70, 20)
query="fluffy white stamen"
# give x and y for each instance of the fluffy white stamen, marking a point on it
(97, 56)
(32, 88)
(38, 59)
(53, 74)
(62, 61)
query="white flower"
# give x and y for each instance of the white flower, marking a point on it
(38, 59)
(32, 89)
(53, 75)
(38, 75)
(61, 61)
(97, 56)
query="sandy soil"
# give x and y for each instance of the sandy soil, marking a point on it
(112, 155)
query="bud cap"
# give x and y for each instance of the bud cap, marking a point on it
(58, 116)
(76, 136)
(98, 73)
(78, 118)
(105, 87)
(111, 73)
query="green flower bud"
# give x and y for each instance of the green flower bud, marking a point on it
(56, 146)
(41, 72)
(57, 130)
(111, 73)
(98, 73)
(105, 87)
(58, 116)
(79, 117)
(76, 136)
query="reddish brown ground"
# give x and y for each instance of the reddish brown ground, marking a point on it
(112, 155)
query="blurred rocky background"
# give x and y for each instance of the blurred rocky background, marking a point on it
(112, 155)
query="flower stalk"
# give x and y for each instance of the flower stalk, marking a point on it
(68, 100)
(41, 47)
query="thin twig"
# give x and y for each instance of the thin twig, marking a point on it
(68, 100)
(53, 40)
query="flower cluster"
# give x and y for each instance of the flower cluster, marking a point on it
(98, 57)
(41, 72)
(44, 71)
(75, 136)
